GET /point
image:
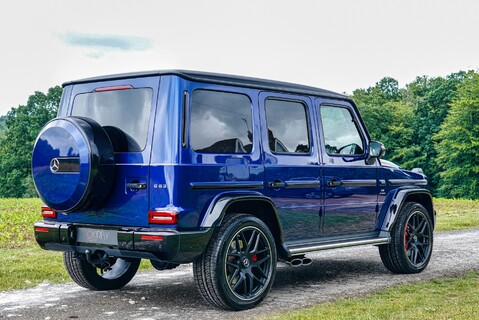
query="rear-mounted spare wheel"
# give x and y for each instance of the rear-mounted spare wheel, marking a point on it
(73, 164)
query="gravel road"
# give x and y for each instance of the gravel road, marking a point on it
(172, 294)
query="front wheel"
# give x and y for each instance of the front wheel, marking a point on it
(411, 243)
(237, 269)
(115, 276)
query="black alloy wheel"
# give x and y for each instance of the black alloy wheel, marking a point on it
(418, 239)
(248, 263)
(237, 269)
(411, 243)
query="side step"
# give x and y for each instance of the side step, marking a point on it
(309, 247)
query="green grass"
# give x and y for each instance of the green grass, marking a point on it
(449, 298)
(17, 217)
(456, 214)
(27, 267)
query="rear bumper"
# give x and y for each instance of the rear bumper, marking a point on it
(146, 243)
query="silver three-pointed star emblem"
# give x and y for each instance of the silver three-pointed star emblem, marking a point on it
(54, 165)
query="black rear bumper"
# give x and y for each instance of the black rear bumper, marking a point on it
(146, 243)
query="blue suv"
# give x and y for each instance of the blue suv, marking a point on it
(229, 173)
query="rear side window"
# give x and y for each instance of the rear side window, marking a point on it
(220, 122)
(124, 114)
(341, 134)
(287, 126)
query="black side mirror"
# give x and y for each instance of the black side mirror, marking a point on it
(376, 150)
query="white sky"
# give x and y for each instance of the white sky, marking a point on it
(339, 45)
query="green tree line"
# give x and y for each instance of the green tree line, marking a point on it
(432, 123)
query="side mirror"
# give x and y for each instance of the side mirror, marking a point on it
(376, 150)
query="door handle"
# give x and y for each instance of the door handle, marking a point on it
(334, 183)
(136, 185)
(276, 184)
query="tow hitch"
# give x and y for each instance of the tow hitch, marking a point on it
(99, 259)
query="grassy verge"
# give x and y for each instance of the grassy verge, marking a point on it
(451, 298)
(456, 214)
(23, 264)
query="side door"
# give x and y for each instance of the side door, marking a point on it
(291, 163)
(350, 184)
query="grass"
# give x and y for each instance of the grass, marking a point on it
(23, 264)
(456, 214)
(447, 298)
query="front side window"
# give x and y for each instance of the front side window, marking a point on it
(287, 126)
(124, 114)
(220, 122)
(341, 134)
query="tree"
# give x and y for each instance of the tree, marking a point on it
(458, 144)
(429, 99)
(387, 117)
(22, 127)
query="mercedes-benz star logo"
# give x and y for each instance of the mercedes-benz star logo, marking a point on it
(54, 165)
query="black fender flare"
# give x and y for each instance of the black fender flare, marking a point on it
(395, 201)
(219, 206)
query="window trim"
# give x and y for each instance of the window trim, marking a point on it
(189, 121)
(308, 125)
(185, 123)
(356, 122)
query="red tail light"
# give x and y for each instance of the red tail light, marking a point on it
(153, 238)
(48, 212)
(162, 217)
(39, 229)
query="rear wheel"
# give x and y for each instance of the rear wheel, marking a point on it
(411, 243)
(114, 274)
(237, 269)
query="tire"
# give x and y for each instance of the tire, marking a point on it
(73, 164)
(411, 243)
(237, 279)
(88, 276)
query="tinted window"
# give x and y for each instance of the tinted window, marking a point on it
(287, 126)
(341, 135)
(123, 113)
(220, 122)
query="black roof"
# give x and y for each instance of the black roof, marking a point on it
(223, 79)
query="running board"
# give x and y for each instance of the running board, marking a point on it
(295, 249)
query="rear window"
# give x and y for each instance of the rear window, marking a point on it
(124, 114)
(220, 122)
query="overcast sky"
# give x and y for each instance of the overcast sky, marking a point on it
(338, 45)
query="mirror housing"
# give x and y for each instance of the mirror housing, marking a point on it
(376, 151)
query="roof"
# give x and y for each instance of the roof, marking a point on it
(223, 79)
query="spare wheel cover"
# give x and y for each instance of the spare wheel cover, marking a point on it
(73, 164)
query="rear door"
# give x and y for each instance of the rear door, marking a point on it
(291, 163)
(350, 184)
(125, 109)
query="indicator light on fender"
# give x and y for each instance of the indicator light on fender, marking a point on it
(48, 212)
(162, 217)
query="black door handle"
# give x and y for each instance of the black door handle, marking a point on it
(334, 183)
(136, 185)
(276, 184)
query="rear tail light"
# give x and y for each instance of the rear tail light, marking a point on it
(40, 229)
(151, 238)
(162, 217)
(48, 212)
